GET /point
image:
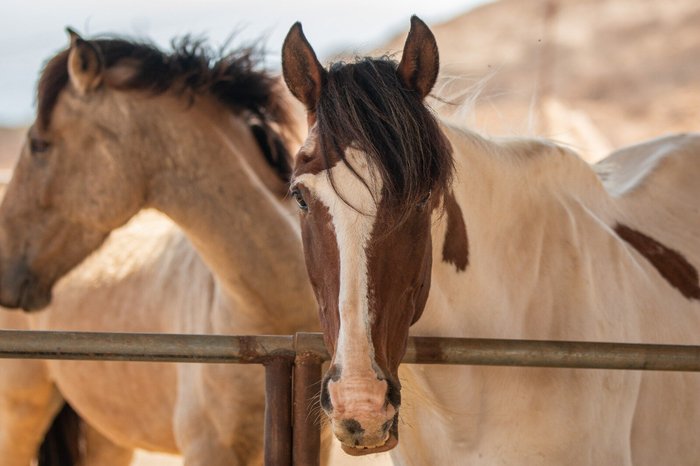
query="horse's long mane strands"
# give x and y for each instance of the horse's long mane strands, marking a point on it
(234, 77)
(365, 106)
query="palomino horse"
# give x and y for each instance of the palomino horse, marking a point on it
(407, 221)
(121, 127)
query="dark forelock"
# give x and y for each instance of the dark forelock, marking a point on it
(364, 105)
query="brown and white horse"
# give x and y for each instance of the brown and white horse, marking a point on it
(122, 127)
(407, 221)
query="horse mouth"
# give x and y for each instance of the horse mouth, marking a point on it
(31, 296)
(391, 442)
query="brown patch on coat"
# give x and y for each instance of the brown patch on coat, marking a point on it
(314, 163)
(671, 264)
(310, 159)
(456, 247)
(399, 263)
(322, 264)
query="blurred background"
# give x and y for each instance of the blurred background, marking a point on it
(593, 74)
(596, 74)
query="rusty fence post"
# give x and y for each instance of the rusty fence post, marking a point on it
(278, 411)
(307, 410)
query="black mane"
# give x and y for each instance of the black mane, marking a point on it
(235, 78)
(364, 105)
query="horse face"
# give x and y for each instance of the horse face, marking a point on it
(371, 278)
(367, 242)
(70, 187)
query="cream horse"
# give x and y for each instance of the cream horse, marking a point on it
(407, 221)
(122, 127)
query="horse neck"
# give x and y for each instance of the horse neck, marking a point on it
(536, 219)
(208, 174)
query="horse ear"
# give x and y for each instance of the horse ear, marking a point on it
(84, 63)
(302, 71)
(420, 62)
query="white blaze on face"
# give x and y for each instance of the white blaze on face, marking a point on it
(360, 414)
(353, 222)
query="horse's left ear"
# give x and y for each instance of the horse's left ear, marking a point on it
(84, 63)
(420, 62)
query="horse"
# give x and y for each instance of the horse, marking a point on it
(195, 144)
(408, 222)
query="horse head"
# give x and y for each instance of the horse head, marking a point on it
(122, 126)
(71, 186)
(368, 179)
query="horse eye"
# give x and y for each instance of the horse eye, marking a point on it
(38, 146)
(300, 199)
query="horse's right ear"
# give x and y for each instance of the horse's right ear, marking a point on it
(302, 71)
(84, 64)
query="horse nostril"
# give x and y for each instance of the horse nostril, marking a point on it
(387, 425)
(353, 427)
(333, 374)
(326, 397)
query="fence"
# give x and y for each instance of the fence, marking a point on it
(293, 366)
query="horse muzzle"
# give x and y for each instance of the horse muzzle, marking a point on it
(20, 288)
(385, 439)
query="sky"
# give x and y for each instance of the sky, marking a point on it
(33, 30)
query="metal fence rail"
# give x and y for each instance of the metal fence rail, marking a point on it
(420, 350)
(148, 347)
(293, 366)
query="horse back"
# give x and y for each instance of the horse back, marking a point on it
(656, 189)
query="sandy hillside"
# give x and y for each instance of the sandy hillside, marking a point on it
(598, 73)
(616, 72)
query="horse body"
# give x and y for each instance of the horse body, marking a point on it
(145, 271)
(105, 149)
(551, 232)
(527, 242)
